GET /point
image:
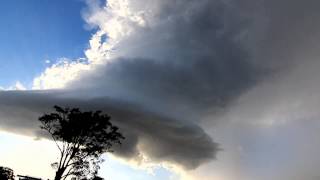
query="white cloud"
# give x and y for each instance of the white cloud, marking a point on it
(17, 86)
(59, 74)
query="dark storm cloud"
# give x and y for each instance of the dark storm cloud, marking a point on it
(176, 90)
(163, 138)
(274, 126)
(191, 59)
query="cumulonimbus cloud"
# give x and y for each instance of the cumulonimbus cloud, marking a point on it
(170, 62)
(162, 68)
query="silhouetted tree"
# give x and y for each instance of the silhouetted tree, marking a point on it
(81, 138)
(6, 173)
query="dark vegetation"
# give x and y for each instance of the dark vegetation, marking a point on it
(6, 173)
(81, 137)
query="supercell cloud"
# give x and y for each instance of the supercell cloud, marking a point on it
(186, 78)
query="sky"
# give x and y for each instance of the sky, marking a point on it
(36, 33)
(201, 89)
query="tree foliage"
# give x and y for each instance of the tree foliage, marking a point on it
(6, 173)
(81, 137)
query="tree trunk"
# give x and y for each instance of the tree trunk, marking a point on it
(59, 174)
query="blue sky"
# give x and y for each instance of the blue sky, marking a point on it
(37, 30)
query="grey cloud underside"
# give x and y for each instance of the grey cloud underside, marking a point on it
(181, 91)
(163, 138)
